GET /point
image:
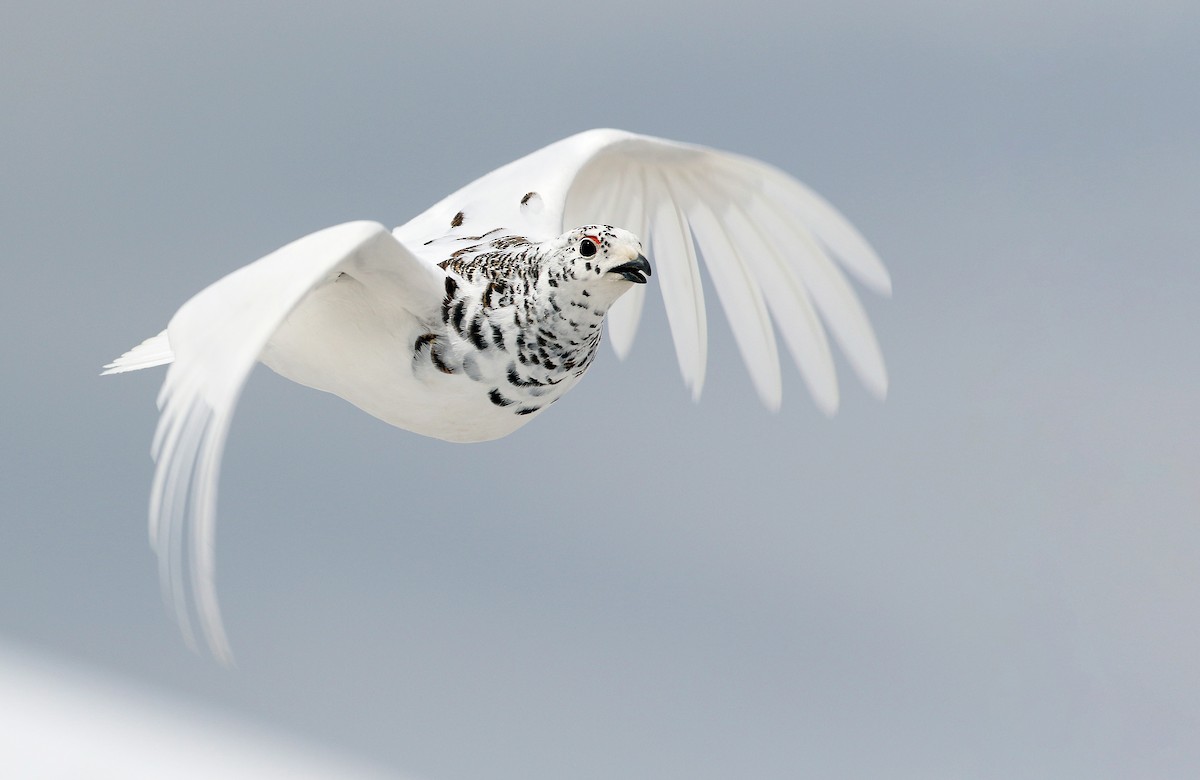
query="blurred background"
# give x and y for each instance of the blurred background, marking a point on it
(990, 575)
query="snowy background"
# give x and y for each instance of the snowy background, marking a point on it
(993, 574)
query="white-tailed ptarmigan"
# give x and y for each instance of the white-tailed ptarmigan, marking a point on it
(471, 319)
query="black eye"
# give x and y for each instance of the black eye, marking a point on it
(587, 247)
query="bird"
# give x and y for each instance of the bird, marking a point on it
(474, 317)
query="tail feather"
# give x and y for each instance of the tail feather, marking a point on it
(154, 351)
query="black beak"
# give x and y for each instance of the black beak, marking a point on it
(636, 270)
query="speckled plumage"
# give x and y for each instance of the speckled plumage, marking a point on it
(523, 319)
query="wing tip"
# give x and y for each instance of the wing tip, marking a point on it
(770, 390)
(861, 260)
(827, 403)
(879, 387)
(621, 349)
(221, 652)
(881, 285)
(873, 373)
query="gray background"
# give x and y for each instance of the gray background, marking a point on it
(991, 575)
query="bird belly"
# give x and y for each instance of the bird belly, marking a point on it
(342, 341)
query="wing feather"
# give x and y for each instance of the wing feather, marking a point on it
(835, 231)
(216, 338)
(834, 297)
(679, 274)
(790, 306)
(738, 291)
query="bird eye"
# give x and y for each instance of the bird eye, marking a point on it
(587, 247)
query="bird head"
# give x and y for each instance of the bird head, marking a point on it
(604, 260)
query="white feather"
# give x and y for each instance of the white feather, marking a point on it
(807, 207)
(679, 281)
(790, 307)
(217, 337)
(739, 294)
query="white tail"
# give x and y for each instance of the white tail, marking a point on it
(154, 351)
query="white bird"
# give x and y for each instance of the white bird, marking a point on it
(468, 321)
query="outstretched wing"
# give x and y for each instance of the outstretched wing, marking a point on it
(216, 338)
(769, 244)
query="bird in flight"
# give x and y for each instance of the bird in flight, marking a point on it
(474, 317)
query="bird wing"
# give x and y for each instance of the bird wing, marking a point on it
(773, 248)
(216, 338)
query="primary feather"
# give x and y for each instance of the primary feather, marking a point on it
(470, 319)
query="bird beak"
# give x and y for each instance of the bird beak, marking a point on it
(636, 270)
